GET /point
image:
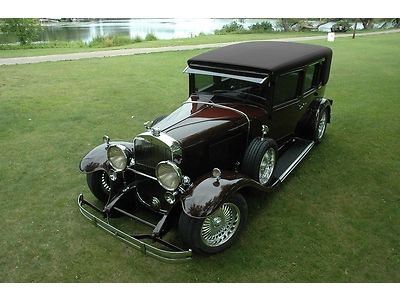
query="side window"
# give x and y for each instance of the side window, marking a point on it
(311, 77)
(286, 87)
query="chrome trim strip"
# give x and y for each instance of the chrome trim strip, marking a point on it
(165, 255)
(296, 162)
(189, 70)
(142, 174)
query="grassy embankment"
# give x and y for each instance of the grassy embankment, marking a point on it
(336, 218)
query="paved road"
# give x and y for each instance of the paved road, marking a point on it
(122, 52)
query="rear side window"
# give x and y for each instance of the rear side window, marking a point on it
(311, 77)
(286, 87)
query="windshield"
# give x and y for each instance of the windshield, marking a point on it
(229, 87)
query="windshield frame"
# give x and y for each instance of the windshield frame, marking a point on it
(258, 80)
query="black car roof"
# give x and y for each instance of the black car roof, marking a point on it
(263, 57)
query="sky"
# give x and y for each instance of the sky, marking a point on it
(199, 9)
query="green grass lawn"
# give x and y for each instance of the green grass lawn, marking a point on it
(205, 39)
(335, 219)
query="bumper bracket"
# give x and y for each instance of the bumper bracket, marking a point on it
(173, 254)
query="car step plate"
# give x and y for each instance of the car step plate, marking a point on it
(290, 158)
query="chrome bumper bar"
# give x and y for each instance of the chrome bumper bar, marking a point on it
(175, 255)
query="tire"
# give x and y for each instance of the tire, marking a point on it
(319, 126)
(260, 158)
(99, 185)
(216, 232)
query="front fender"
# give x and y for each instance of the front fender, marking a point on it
(96, 159)
(207, 194)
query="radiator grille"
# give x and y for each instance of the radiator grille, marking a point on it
(149, 152)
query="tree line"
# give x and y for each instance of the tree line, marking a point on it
(304, 24)
(28, 30)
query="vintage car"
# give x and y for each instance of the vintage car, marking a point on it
(254, 111)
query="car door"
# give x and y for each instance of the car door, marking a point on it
(287, 105)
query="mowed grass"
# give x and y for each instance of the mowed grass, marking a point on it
(335, 218)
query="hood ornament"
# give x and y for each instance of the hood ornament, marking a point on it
(155, 131)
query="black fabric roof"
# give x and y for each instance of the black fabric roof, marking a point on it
(263, 57)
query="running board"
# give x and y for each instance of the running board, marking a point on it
(290, 158)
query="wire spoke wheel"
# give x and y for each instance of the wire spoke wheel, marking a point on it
(321, 125)
(219, 227)
(260, 159)
(105, 182)
(267, 165)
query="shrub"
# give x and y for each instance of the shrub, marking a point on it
(120, 40)
(261, 27)
(137, 39)
(233, 27)
(110, 41)
(150, 37)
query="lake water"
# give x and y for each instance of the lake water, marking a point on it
(162, 28)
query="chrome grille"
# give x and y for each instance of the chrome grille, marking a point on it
(149, 151)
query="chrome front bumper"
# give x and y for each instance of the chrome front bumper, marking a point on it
(176, 254)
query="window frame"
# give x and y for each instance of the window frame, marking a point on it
(316, 80)
(296, 97)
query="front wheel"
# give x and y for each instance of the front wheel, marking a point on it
(260, 158)
(99, 184)
(218, 231)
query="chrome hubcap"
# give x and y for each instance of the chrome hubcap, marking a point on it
(267, 165)
(321, 125)
(219, 227)
(105, 182)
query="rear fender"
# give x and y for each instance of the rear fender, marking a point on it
(312, 115)
(319, 105)
(207, 193)
(96, 159)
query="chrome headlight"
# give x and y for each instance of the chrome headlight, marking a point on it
(117, 155)
(168, 175)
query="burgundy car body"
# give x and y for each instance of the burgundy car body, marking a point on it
(213, 130)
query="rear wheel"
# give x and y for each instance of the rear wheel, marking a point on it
(218, 231)
(320, 125)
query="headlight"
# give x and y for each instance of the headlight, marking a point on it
(117, 156)
(168, 175)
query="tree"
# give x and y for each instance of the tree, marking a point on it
(302, 24)
(286, 24)
(26, 30)
(367, 23)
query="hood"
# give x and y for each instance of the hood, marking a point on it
(201, 119)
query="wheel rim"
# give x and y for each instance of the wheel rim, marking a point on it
(321, 125)
(219, 227)
(267, 165)
(105, 182)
